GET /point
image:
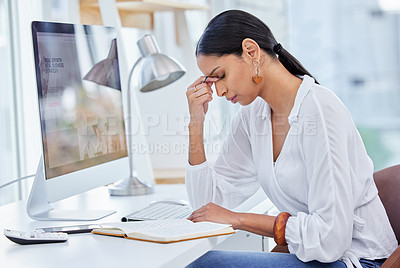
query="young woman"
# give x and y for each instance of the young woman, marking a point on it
(296, 140)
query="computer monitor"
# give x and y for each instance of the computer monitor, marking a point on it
(82, 122)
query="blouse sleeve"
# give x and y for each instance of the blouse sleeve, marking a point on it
(325, 232)
(233, 177)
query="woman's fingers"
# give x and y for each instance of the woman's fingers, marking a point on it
(199, 94)
(202, 213)
(199, 90)
(197, 214)
(196, 82)
(202, 81)
(214, 213)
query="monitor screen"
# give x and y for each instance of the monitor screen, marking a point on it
(81, 115)
(81, 119)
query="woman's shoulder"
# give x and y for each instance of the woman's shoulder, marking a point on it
(322, 100)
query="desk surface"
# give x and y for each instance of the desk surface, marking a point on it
(88, 250)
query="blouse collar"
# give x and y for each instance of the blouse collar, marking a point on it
(304, 88)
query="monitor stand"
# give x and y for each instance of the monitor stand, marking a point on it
(39, 208)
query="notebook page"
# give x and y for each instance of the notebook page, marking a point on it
(167, 228)
(185, 228)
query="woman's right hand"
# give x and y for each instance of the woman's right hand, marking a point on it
(199, 94)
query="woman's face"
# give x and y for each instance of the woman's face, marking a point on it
(235, 73)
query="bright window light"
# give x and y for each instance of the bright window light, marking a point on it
(390, 5)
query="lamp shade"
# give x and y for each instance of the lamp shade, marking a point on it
(106, 72)
(154, 69)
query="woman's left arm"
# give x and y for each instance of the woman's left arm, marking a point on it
(255, 223)
(324, 231)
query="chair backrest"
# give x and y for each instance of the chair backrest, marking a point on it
(388, 183)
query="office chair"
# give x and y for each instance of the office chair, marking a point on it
(388, 183)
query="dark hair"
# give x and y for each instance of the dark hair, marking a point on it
(225, 32)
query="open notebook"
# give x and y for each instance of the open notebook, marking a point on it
(164, 231)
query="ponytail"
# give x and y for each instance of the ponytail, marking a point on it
(290, 62)
(225, 32)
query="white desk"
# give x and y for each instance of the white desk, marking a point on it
(89, 250)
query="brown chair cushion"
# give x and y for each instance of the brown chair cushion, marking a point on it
(394, 260)
(388, 182)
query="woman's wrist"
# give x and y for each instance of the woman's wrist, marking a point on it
(280, 228)
(195, 128)
(196, 124)
(237, 220)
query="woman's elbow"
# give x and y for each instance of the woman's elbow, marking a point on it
(326, 251)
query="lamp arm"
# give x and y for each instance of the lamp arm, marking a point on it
(132, 185)
(128, 96)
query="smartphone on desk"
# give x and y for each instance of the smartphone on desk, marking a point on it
(73, 229)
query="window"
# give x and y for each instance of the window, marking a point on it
(353, 48)
(19, 134)
(8, 140)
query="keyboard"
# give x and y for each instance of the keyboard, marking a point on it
(160, 211)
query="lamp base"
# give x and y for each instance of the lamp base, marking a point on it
(130, 186)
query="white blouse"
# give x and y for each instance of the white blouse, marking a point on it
(323, 177)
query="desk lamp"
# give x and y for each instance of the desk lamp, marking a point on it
(154, 70)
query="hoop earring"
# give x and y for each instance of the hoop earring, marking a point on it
(257, 78)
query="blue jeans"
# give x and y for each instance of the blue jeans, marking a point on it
(262, 259)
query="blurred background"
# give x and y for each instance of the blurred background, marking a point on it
(350, 46)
